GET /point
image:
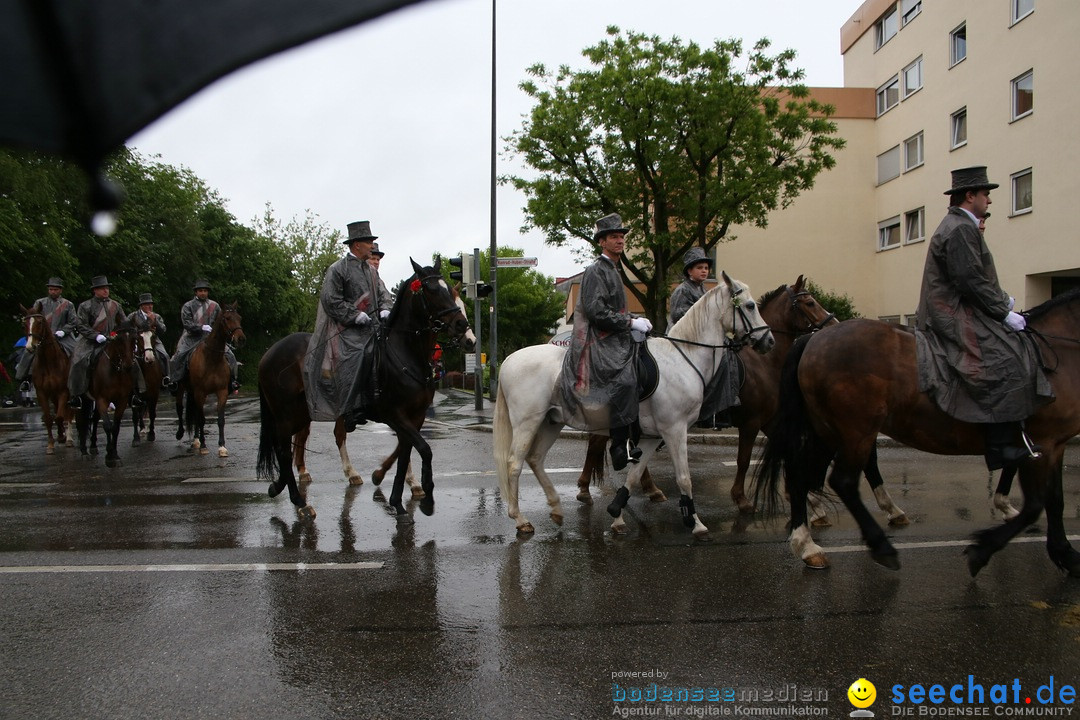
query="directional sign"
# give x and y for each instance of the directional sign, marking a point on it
(515, 262)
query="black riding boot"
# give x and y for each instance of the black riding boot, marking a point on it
(1002, 448)
(619, 438)
(354, 417)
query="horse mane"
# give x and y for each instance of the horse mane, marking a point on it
(399, 299)
(1054, 302)
(694, 323)
(769, 296)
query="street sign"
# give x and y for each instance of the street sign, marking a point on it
(516, 262)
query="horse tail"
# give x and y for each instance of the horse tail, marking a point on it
(788, 438)
(267, 463)
(502, 437)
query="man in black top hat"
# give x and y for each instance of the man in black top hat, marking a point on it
(146, 320)
(96, 318)
(197, 316)
(60, 313)
(972, 359)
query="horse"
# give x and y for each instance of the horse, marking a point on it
(526, 426)
(208, 374)
(49, 370)
(152, 374)
(424, 306)
(844, 385)
(790, 311)
(110, 384)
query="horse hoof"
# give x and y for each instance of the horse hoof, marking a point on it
(976, 559)
(584, 497)
(180, 434)
(900, 520)
(887, 560)
(821, 522)
(618, 527)
(701, 533)
(526, 529)
(112, 462)
(135, 440)
(417, 493)
(305, 477)
(557, 518)
(70, 443)
(427, 506)
(817, 561)
(204, 451)
(275, 489)
(222, 452)
(657, 496)
(1065, 558)
(746, 507)
(50, 450)
(151, 436)
(306, 512)
(377, 477)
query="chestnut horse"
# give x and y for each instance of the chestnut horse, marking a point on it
(845, 384)
(208, 374)
(110, 384)
(49, 369)
(790, 311)
(151, 371)
(424, 306)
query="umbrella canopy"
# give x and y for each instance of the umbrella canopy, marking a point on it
(82, 77)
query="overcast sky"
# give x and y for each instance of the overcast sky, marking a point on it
(390, 121)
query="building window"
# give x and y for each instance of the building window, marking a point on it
(1021, 192)
(913, 152)
(888, 95)
(885, 28)
(888, 165)
(959, 128)
(889, 233)
(1023, 94)
(914, 226)
(912, 77)
(1021, 9)
(958, 38)
(909, 9)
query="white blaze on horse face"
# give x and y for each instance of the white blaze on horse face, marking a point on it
(469, 336)
(148, 346)
(31, 341)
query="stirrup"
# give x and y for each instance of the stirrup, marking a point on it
(25, 386)
(1033, 450)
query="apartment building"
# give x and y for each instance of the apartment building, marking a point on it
(930, 86)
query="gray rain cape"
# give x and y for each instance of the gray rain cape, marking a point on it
(96, 316)
(598, 383)
(61, 316)
(193, 315)
(339, 353)
(970, 364)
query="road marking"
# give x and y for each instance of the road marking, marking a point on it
(524, 471)
(732, 463)
(7, 486)
(935, 544)
(219, 480)
(201, 567)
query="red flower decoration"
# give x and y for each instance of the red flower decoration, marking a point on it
(415, 286)
(112, 334)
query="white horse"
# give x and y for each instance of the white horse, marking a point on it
(526, 426)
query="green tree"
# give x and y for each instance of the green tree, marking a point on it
(681, 141)
(839, 304)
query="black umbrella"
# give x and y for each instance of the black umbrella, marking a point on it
(82, 76)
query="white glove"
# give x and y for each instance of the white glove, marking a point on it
(641, 325)
(1012, 302)
(362, 318)
(100, 339)
(1015, 321)
(59, 333)
(383, 314)
(207, 328)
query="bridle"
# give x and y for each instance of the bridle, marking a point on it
(436, 323)
(811, 325)
(737, 310)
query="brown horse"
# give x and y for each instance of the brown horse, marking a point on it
(845, 384)
(151, 371)
(49, 369)
(423, 307)
(790, 311)
(208, 374)
(110, 384)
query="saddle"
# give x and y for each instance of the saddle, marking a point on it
(648, 374)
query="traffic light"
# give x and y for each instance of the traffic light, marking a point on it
(483, 290)
(464, 272)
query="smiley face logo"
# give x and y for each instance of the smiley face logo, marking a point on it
(862, 693)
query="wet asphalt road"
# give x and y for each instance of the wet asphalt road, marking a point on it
(170, 587)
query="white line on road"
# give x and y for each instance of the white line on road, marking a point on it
(935, 544)
(201, 567)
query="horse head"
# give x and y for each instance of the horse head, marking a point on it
(746, 324)
(812, 312)
(37, 329)
(145, 344)
(441, 305)
(122, 347)
(230, 320)
(801, 315)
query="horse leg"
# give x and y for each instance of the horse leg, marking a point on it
(404, 450)
(648, 485)
(283, 452)
(807, 471)
(340, 436)
(151, 410)
(524, 437)
(380, 472)
(299, 444)
(594, 465)
(82, 425)
(47, 417)
(1057, 544)
(543, 441)
(222, 398)
(844, 479)
(112, 432)
(895, 516)
(676, 442)
(181, 393)
(136, 418)
(1001, 493)
(637, 471)
(747, 436)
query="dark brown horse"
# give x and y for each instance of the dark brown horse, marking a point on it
(49, 369)
(208, 374)
(110, 384)
(790, 311)
(424, 306)
(845, 384)
(151, 371)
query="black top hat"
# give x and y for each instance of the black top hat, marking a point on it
(609, 224)
(970, 178)
(376, 251)
(99, 281)
(360, 230)
(201, 284)
(55, 282)
(146, 298)
(693, 257)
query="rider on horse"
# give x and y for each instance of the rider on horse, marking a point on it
(598, 383)
(972, 359)
(146, 320)
(197, 316)
(60, 313)
(96, 319)
(338, 375)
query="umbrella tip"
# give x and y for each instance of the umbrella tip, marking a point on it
(106, 195)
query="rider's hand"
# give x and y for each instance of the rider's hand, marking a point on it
(101, 339)
(1012, 302)
(641, 325)
(1015, 321)
(206, 328)
(383, 314)
(60, 333)
(362, 318)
